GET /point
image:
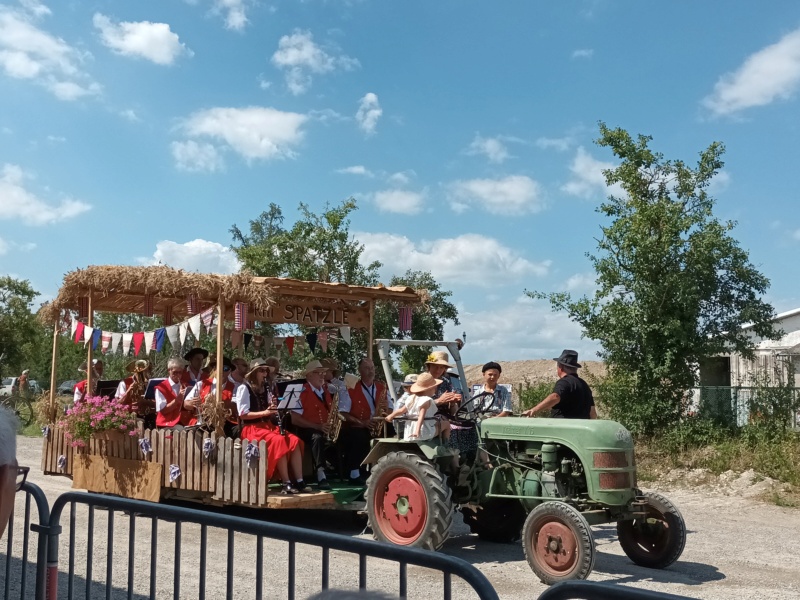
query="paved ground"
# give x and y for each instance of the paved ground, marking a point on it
(736, 548)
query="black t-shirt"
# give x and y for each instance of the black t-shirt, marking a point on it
(576, 398)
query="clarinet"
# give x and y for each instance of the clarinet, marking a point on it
(279, 418)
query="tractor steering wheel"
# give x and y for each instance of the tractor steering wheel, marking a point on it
(468, 414)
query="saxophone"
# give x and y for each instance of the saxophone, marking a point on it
(335, 419)
(378, 422)
(136, 396)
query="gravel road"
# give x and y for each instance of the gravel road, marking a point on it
(736, 548)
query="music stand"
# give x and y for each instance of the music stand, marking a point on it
(290, 398)
(107, 388)
(150, 392)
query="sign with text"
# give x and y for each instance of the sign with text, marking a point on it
(311, 314)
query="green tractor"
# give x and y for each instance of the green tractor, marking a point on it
(546, 481)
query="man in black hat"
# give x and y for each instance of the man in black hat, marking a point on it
(571, 397)
(194, 372)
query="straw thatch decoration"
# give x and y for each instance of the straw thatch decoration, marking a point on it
(47, 412)
(122, 289)
(214, 413)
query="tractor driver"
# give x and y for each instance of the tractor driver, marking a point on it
(571, 397)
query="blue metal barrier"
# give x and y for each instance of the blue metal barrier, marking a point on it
(32, 493)
(449, 566)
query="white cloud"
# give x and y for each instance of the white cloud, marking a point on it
(198, 255)
(493, 148)
(369, 111)
(401, 177)
(587, 177)
(235, 12)
(130, 115)
(28, 52)
(560, 144)
(512, 195)
(35, 7)
(583, 53)
(299, 56)
(325, 115)
(720, 183)
(196, 156)
(469, 259)
(772, 73)
(581, 283)
(4, 245)
(355, 170)
(56, 139)
(254, 132)
(20, 205)
(403, 202)
(152, 41)
(524, 329)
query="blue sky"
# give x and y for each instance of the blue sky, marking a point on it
(136, 132)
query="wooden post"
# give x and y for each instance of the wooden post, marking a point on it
(220, 342)
(89, 353)
(370, 349)
(54, 363)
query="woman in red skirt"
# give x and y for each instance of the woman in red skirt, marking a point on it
(284, 451)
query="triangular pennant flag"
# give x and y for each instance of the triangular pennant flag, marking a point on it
(138, 338)
(322, 338)
(290, 344)
(345, 331)
(278, 342)
(116, 338)
(194, 324)
(311, 338)
(73, 326)
(207, 316)
(88, 332)
(79, 333)
(183, 328)
(161, 335)
(258, 340)
(149, 336)
(106, 341)
(126, 343)
(236, 339)
(172, 334)
(96, 335)
(248, 337)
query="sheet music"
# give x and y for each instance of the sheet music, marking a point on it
(291, 397)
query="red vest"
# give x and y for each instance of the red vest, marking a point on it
(314, 410)
(171, 416)
(80, 387)
(188, 380)
(359, 407)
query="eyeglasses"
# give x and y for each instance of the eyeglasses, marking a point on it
(22, 476)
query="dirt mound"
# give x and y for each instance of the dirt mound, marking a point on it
(748, 484)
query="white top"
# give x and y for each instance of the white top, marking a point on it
(345, 404)
(161, 401)
(414, 405)
(241, 397)
(76, 397)
(121, 389)
(401, 401)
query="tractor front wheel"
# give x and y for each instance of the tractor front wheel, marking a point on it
(657, 540)
(558, 543)
(409, 502)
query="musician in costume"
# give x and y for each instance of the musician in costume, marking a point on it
(131, 391)
(171, 410)
(358, 414)
(261, 421)
(79, 391)
(194, 368)
(311, 418)
(207, 388)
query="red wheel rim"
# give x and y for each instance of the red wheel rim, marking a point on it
(400, 507)
(555, 548)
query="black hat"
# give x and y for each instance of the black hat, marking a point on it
(568, 358)
(226, 362)
(193, 351)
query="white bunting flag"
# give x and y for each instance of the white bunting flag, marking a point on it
(127, 338)
(183, 328)
(194, 324)
(172, 334)
(116, 338)
(88, 332)
(73, 326)
(345, 331)
(106, 339)
(278, 341)
(148, 340)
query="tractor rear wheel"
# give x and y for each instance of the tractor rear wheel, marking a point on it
(558, 543)
(499, 520)
(658, 540)
(409, 502)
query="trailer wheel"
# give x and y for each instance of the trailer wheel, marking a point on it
(499, 520)
(558, 543)
(409, 502)
(658, 540)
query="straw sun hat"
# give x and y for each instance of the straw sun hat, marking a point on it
(438, 358)
(425, 381)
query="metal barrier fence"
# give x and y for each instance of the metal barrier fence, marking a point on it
(17, 583)
(166, 551)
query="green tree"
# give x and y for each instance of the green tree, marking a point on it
(673, 285)
(427, 323)
(18, 324)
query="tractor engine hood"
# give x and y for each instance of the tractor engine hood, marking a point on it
(586, 433)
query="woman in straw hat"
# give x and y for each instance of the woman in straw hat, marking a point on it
(419, 406)
(260, 422)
